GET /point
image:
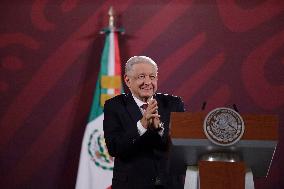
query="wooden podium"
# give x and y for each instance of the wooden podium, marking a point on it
(255, 149)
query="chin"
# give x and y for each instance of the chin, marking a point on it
(147, 96)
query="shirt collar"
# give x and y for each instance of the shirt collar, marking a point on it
(138, 101)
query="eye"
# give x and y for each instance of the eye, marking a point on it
(152, 77)
(141, 77)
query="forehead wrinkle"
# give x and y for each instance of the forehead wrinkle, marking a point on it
(137, 72)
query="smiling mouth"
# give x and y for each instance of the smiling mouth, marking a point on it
(146, 89)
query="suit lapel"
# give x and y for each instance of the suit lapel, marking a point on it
(132, 108)
(161, 108)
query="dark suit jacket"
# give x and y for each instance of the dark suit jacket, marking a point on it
(139, 160)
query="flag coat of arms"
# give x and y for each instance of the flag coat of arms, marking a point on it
(95, 166)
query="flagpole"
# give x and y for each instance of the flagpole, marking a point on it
(95, 164)
(111, 17)
(111, 24)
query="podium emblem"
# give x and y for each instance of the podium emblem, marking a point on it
(223, 126)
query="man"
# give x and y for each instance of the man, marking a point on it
(136, 128)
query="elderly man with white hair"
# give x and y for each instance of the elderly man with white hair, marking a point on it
(136, 129)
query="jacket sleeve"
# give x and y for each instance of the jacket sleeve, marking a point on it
(179, 105)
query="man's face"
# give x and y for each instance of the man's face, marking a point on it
(142, 81)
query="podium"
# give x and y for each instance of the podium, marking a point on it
(254, 150)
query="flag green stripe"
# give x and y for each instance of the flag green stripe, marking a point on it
(104, 60)
(96, 109)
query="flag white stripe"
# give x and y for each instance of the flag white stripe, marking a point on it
(111, 61)
(95, 177)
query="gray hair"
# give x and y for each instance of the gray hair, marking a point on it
(138, 60)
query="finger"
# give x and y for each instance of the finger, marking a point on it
(152, 109)
(152, 102)
(151, 116)
(157, 118)
(151, 106)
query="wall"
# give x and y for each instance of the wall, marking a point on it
(223, 52)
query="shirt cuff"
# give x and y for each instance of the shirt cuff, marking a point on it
(161, 132)
(141, 129)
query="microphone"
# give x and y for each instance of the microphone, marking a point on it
(235, 108)
(203, 105)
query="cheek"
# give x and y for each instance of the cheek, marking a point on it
(155, 85)
(139, 84)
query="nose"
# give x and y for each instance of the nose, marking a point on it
(147, 80)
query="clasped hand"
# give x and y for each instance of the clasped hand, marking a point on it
(151, 118)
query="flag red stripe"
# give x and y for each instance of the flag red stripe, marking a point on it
(117, 59)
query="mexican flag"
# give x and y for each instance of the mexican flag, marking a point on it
(96, 165)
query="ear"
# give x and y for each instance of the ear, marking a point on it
(127, 80)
